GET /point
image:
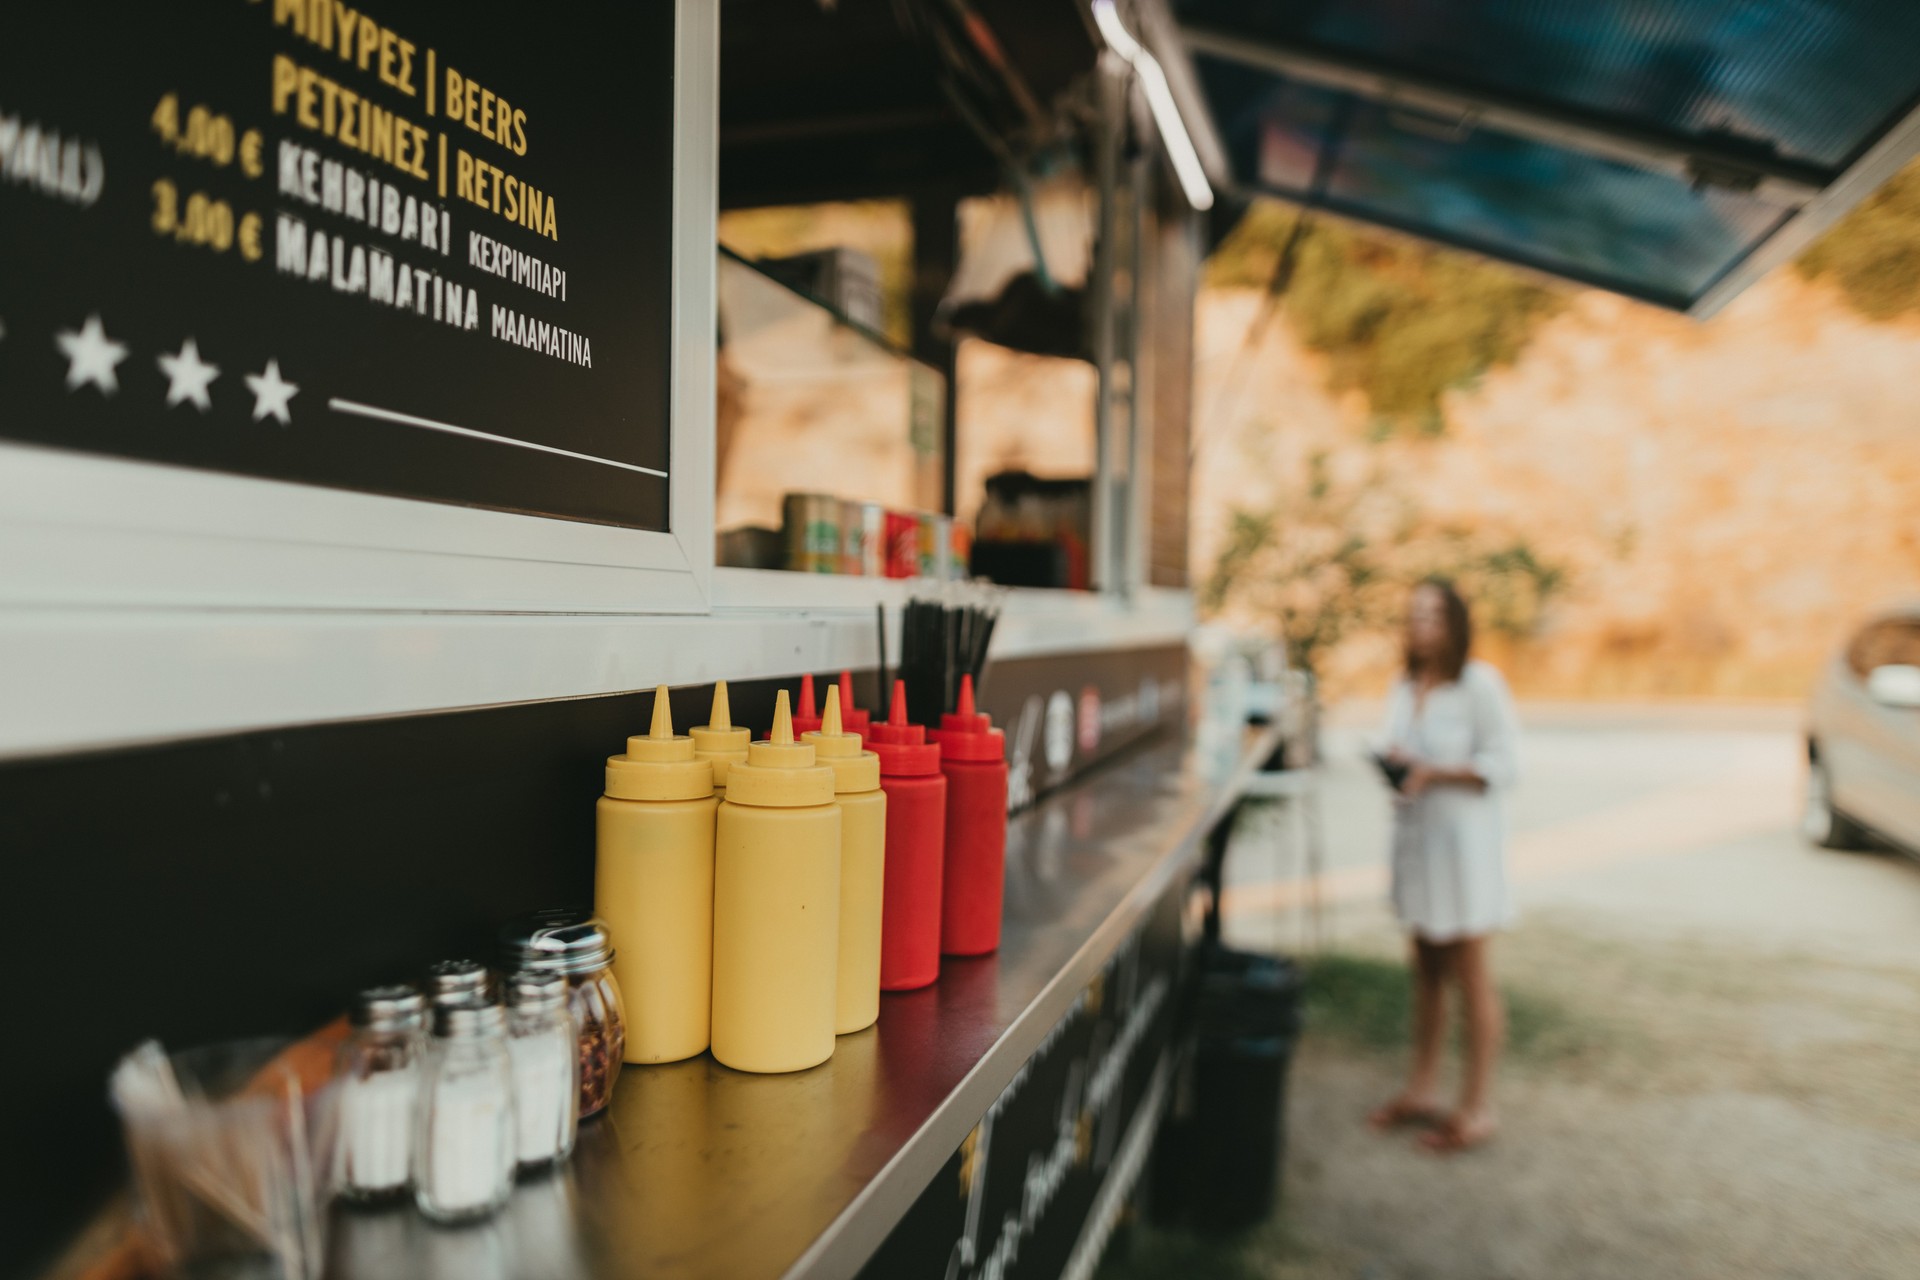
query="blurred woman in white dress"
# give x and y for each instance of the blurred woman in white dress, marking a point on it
(1451, 728)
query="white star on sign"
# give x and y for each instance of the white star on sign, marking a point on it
(91, 356)
(188, 376)
(271, 393)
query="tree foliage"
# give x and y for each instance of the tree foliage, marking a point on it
(1334, 558)
(1400, 321)
(1873, 254)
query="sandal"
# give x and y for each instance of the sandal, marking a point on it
(1402, 1112)
(1453, 1135)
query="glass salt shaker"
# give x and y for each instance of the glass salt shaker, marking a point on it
(464, 1136)
(572, 942)
(546, 1067)
(378, 1075)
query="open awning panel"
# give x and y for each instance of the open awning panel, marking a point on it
(1672, 150)
(1591, 219)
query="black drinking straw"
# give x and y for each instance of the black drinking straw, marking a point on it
(885, 701)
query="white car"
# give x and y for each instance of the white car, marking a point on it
(1863, 740)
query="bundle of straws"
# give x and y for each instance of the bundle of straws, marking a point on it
(942, 639)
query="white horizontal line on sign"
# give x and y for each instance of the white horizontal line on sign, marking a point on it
(374, 411)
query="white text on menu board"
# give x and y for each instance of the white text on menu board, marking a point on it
(378, 194)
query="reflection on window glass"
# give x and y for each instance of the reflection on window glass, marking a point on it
(1024, 463)
(880, 232)
(814, 414)
(1025, 382)
(830, 440)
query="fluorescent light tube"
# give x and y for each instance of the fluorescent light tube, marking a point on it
(1166, 113)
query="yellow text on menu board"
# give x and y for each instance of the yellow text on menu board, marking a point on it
(484, 112)
(319, 103)
(356, 37)
(493, 188)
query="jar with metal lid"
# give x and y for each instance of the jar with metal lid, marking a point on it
(571, 941)
(459, 980)
(464, 1134)
(378, 1086)
(546, 1067)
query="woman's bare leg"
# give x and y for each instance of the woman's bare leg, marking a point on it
(1434, 965)
(1419, 1101)
(1486, 1020)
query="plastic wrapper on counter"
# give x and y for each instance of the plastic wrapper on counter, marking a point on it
(230, 1152)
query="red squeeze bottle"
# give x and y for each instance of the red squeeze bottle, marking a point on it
(806, 719)
(973, 756)
(852, 718)
(916, 839)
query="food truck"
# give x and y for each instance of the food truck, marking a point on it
(383, 421)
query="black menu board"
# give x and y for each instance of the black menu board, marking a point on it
(408, 248)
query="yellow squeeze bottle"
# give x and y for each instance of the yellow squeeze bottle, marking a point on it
(653, 885)
(863, 861)
(776, 907)
(719, 741)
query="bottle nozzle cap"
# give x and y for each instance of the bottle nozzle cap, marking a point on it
(782, 735)
(852, 718)
(854, 769)
(660, 746)
(806, 718)
(830, 740)
(896, 730)
(780, 773)
(781, 750)
(659, 766)
(719, 733)
(718, 740)
(901, 745)
(966, 734)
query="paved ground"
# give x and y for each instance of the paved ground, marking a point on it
(1716, 1069)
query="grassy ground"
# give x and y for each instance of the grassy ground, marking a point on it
(1364, 1001)
(1671, 1108)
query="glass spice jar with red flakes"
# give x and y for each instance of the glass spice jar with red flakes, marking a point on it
(573, 942)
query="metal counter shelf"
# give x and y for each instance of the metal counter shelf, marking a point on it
(696, 1170)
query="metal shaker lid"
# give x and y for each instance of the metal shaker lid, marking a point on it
(458, 978)
(566, 940)
(397, 1006)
